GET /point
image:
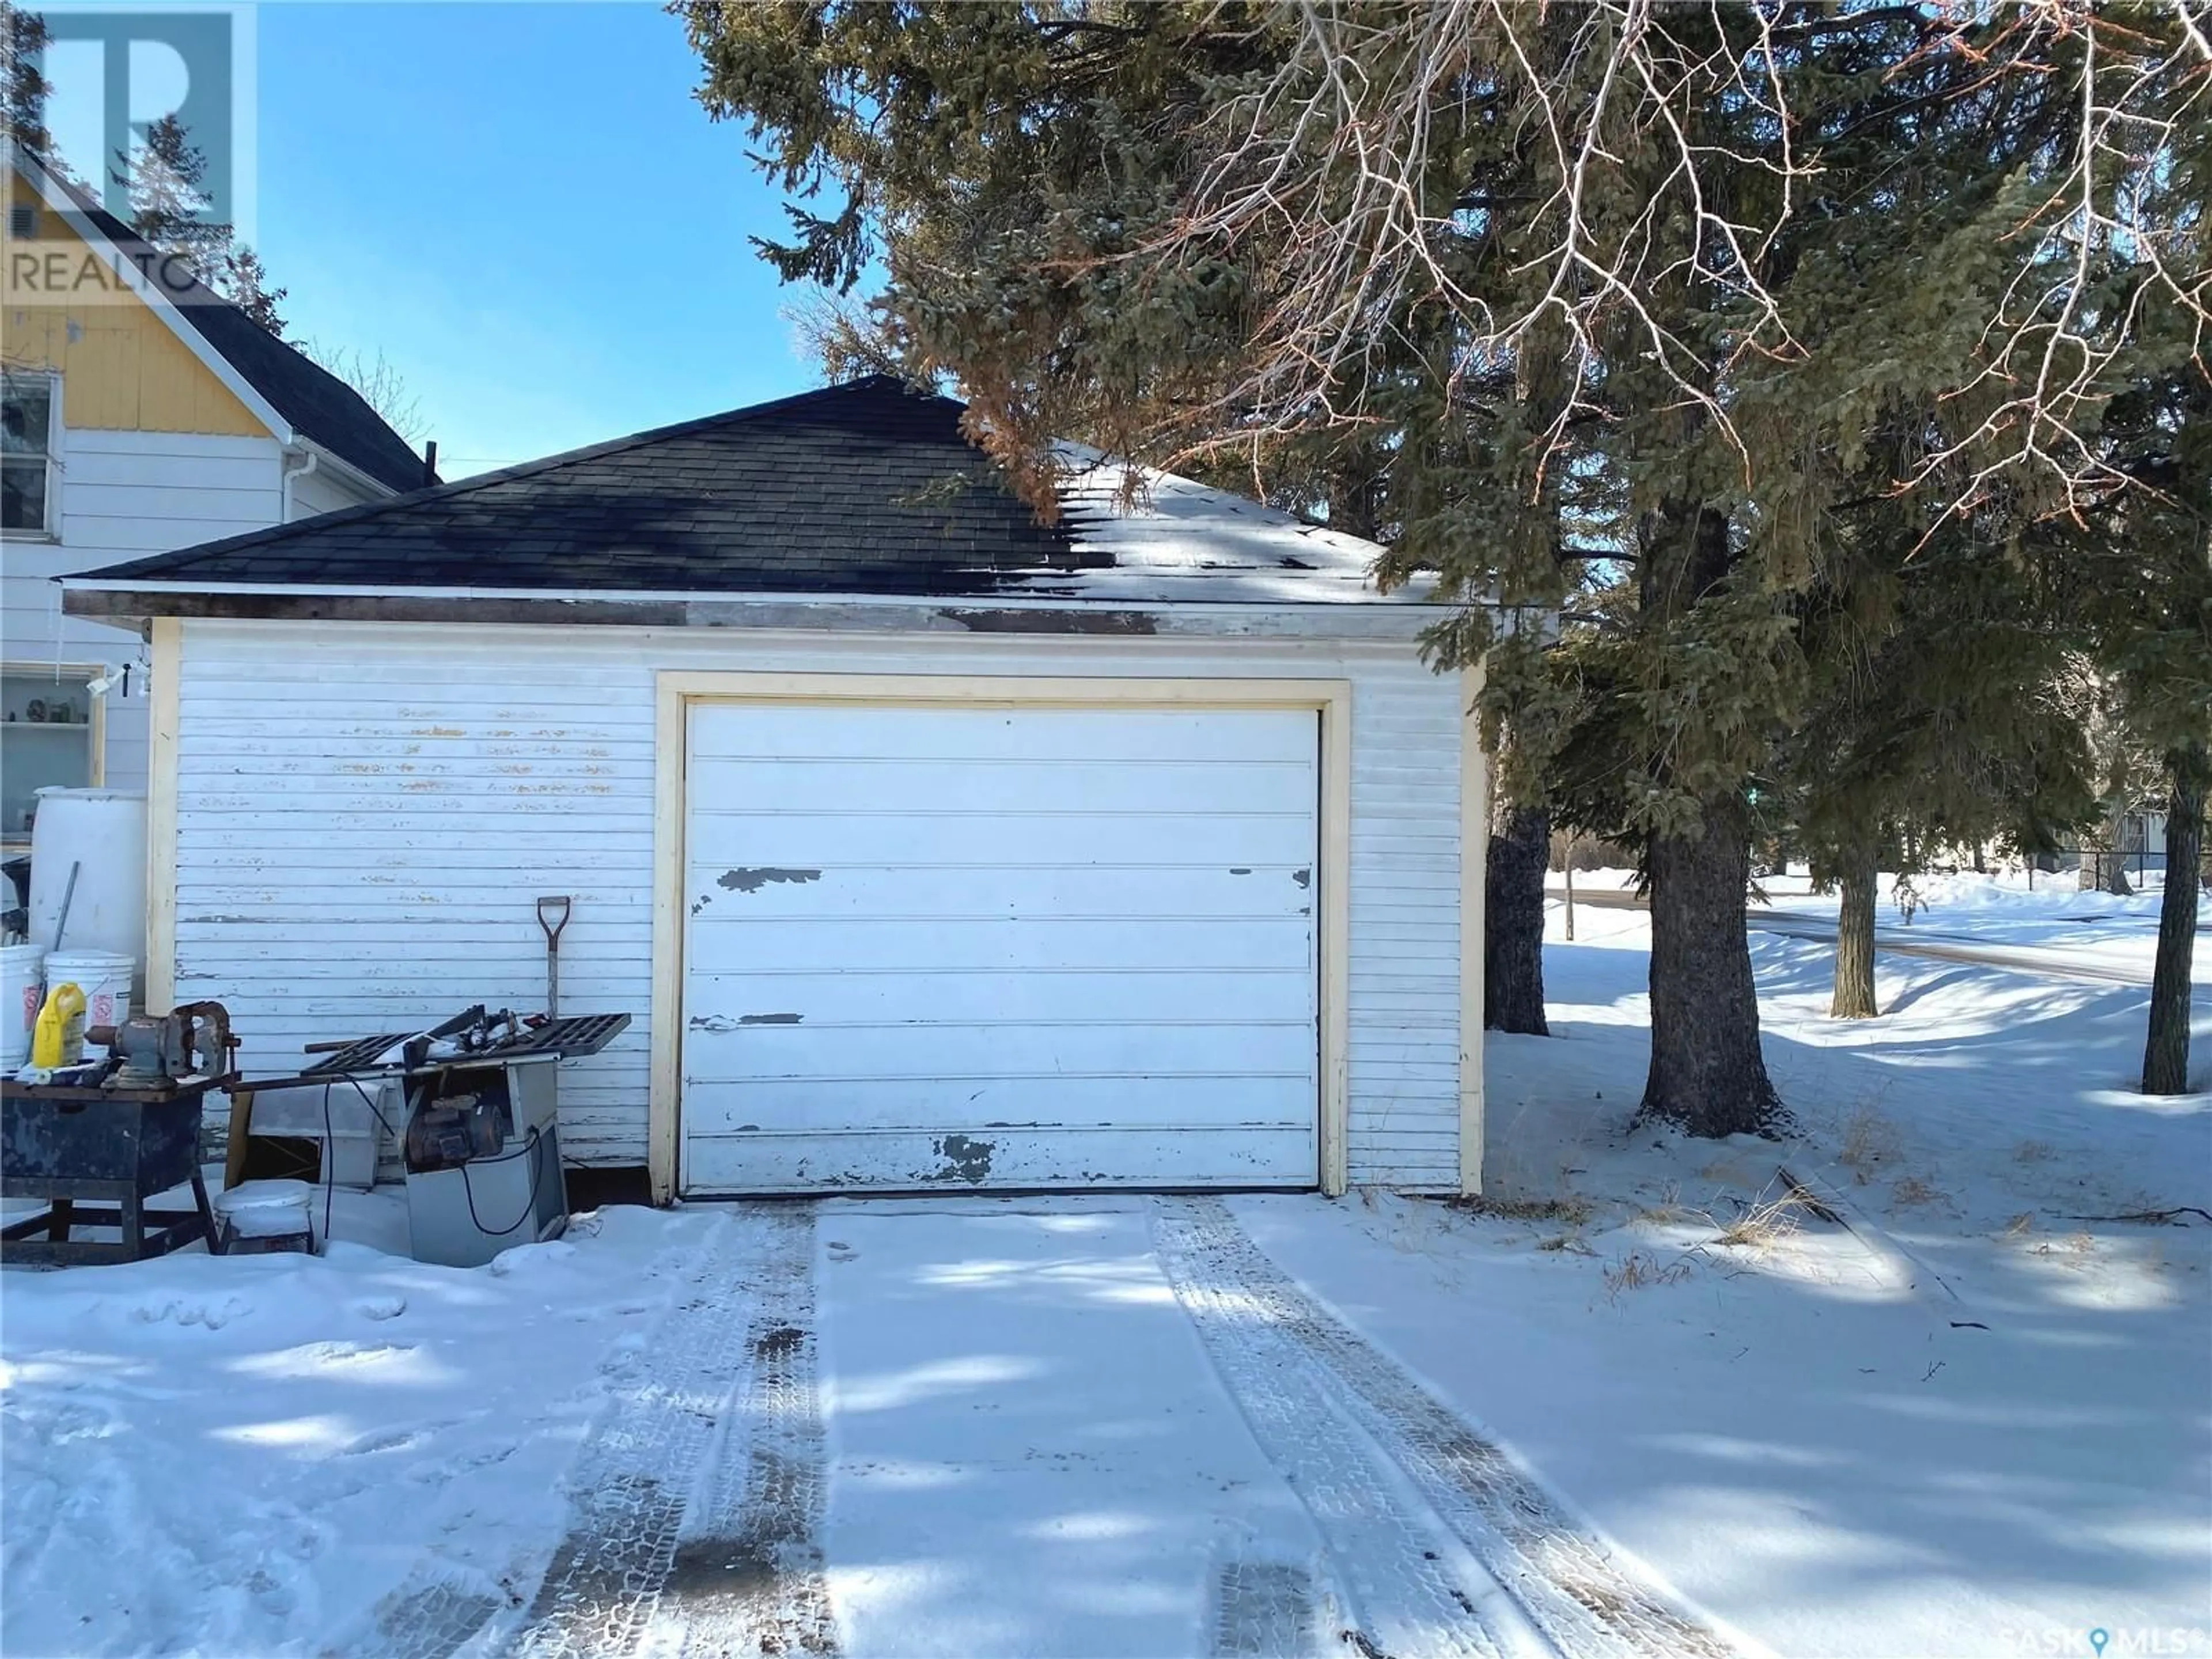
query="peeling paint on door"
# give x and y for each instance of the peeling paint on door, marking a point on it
(752, 880)
(965, 1160)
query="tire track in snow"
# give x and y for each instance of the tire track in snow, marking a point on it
(632, 1480)
(748, 1577)
(430, 1620)
(1561, 1577)
(1414, 1592)
(1264, 1610)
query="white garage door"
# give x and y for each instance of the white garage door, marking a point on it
(1000, 947)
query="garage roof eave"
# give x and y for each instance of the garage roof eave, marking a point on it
(131, 601)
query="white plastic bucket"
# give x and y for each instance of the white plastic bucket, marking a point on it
(104, 977)
(101, 833)
(266, 1209)
(19, 1001)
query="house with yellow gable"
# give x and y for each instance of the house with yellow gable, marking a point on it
(143, 412)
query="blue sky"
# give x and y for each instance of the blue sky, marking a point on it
(524, 208)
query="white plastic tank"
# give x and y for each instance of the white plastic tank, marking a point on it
(102, 833)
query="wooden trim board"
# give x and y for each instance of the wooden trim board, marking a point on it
(167, 637)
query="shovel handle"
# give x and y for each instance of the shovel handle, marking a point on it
(553, 916)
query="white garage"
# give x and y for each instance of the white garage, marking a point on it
(928, 846)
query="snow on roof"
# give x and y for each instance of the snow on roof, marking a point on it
(1179, 539)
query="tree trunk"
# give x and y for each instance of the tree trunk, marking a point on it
(2105, 870)
(1513, 925)
(1855, 994)
(2166, 1053)
(1707, 1076)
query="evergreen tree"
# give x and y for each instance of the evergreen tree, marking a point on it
(2147, 554)
(166, 175)
(1935, 720)
(23, 90)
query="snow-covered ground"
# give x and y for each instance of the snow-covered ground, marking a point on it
(1973, 1423)
(241, 1455)
(2029, 919)
(1814, 1437)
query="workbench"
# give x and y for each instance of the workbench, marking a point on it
(95, 1155)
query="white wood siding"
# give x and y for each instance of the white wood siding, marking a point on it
(322, 491)
(366, 813)
(125, 494)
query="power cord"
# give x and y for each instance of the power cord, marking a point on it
(530, 1208)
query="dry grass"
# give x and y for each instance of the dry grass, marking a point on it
(1764, 1223)
(1911, 1192)
(1869, 1142)
(1669, 1209)
(2021, 1225)
(1638, 1269)
(2034, 1152)
(1571, 1243)
(1574, 1212)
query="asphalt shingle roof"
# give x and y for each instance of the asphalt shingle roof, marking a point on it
(865, 489)
(861, 487)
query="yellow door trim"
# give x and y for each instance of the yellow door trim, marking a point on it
(166, 638)
(676, 691)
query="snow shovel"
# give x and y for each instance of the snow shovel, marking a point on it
(553, 916)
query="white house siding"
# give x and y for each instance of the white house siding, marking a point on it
(124, 495)
(323, 491)
(366, 814)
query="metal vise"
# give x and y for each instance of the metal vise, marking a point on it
(153, 1049)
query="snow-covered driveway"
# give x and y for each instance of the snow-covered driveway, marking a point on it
(1052, 1427)
(1015, 1427)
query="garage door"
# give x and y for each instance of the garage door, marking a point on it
(987, 947)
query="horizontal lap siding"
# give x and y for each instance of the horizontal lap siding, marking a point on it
(124, 495)
(364, 826)
(1403, 1036)
(366, 814)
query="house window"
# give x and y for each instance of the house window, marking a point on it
(29, 415)
(50, 728)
